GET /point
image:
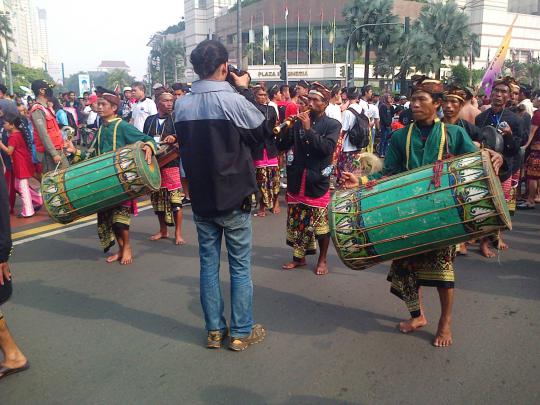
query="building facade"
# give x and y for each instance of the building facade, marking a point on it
(200, 17)
(490, 20)
(30, 36)
(110, 65)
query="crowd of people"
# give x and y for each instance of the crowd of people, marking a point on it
(240, 143)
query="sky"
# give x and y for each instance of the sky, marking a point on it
(83, 33)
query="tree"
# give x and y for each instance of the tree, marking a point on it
(168, 60)
(444, 28)
(24, 76)
(360, 12)
(6, 37)
(119, 78)
(460, 75)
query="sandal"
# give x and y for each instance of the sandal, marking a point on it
(5, 371)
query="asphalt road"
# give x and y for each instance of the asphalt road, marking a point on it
(109, 334)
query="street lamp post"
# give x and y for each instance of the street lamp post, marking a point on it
(349, 46)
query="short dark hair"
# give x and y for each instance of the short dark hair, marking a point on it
(273, 91)
(283, 87)
(207, 57)
(352, 93)
(366, 88)
(292, 91)
(139, 85)
(3, 88)
(526, 90)
(177, 86)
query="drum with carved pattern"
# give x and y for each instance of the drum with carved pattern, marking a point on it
(409, 213)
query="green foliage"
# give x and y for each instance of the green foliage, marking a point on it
(444, 34)
(6, 35)
(176, 28)
(460, 75)
(119, 78)
(169, 57)
(24, 76)
(528, 73)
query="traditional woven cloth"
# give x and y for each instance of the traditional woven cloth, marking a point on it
(532, 166)
(305, 225)
(348, 162)
(432, 269)
(268, 183)
(108, 221)
(167, 202)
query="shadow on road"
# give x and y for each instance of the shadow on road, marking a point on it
(297, 315)
(36, 294)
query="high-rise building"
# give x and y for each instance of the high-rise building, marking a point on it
(201, 22)
(30, 38)
(490, 20)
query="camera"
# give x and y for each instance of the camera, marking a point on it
(237, 72)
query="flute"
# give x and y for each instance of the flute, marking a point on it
(289, 121)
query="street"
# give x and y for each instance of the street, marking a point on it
(98, 333)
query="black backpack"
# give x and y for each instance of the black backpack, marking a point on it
(359, 133)
(71, 120)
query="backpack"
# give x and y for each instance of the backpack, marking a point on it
(359, 133)
(71, 120)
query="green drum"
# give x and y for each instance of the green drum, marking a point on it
(406, 214)
(99, 183)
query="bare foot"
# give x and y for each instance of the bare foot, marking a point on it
(485, 250)
(178, 240)
(443, 338)
(276, 210)
(322, 269)
(293, 265)
(502, 245)
(159, 236)
(260, 213)
(113, 258)
(127, 255)
(462, 250)
(412, 324)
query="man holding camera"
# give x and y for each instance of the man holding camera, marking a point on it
(216, 127)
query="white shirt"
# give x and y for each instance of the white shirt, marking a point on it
(348, 122)
(333, 111)
(142, 110)
(272, 104)
(372, 112)
(529, 109)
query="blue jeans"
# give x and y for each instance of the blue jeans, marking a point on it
(386, 133)
(237, 229)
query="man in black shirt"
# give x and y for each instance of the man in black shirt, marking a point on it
(510, 126)
(313, 137)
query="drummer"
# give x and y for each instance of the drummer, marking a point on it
(423, 142)
(113, 224)
(313, 138)
(167, 202)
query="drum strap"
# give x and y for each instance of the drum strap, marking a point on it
(441, 144)
(119, 120)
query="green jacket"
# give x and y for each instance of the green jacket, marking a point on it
(397, 160)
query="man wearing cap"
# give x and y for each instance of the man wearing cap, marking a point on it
(47, 135)
(125, 107)
(113, 224)
(427, 140)
(314, 137)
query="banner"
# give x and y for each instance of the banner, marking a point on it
(495, 67)
(84, 84)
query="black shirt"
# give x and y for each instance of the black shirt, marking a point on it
(313, 152)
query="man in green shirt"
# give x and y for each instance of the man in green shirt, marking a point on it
(424, 142)
(112, 134)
